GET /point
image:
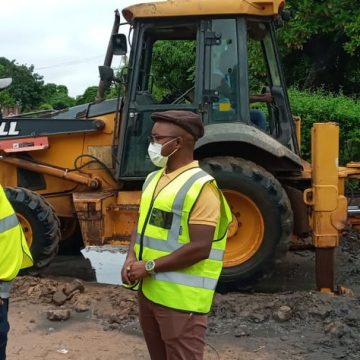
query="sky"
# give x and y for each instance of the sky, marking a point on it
(65, 40)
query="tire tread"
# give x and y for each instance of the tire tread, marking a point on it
(45, 215)
(278, 196)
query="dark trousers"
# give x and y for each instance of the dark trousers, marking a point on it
(172, 334)
(258, 118)
(4, 327)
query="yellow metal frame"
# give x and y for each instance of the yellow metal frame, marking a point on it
(329, 206)
(107, 217)
(326, 197)
(176, 8)
(351, 170)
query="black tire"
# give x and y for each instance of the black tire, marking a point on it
(44, 224)
(261, 187)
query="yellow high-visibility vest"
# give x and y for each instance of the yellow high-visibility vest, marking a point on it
(14, 251)
(163, 228)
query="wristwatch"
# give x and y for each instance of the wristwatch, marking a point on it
(150, 267)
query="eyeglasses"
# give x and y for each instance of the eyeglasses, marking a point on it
(155, 138)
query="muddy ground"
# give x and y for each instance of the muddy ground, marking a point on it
(283, 319)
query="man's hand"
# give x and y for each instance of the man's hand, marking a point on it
(1, 301)
(137, 271)
(131, 258)
(125, 271)
(266, 97)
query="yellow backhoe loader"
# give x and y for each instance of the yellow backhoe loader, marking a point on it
(86, 165)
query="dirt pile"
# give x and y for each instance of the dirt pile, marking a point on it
(306, 322)
(278, 325)
(115, 306)
(309, 321)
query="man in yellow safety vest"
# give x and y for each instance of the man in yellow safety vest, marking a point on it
(176, 251)
(14, 255)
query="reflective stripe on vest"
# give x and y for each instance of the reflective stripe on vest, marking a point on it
(187, 279)
(148, 179)
(8, 223)
(156, 244)
(192, 288)
(178, 204)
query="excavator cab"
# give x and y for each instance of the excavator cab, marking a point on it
(218, 84)
(216, 48)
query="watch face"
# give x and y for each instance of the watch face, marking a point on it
(150, 265)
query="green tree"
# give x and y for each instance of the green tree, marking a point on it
(319, 106)
(321, 45)
(26, 87)
(88, 96)
(172, 68)
(49, 91)
(45, 106)
(6, 99)
(57, 96)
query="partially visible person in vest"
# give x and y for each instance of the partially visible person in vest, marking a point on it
(14, 255)
(177, 248)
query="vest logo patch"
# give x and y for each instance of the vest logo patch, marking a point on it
(161, 218)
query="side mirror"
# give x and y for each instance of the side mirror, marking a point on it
(119, 44)
(106, 74)
(4, 83)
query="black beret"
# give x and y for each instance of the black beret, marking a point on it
(188, 120)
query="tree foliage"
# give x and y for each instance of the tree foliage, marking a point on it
(172, 68)
(29, 91)
(57, 96)
(318, 106)
(321, 45)
(6, 99)
(26, 87)
(88, 96)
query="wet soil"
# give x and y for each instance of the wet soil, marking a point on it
(283, 318)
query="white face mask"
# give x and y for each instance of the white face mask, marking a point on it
(154, 151)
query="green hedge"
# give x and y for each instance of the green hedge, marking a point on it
(320, 107)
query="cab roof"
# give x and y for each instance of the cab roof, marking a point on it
(177, 8)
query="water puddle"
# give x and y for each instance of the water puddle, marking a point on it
(107, 262)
